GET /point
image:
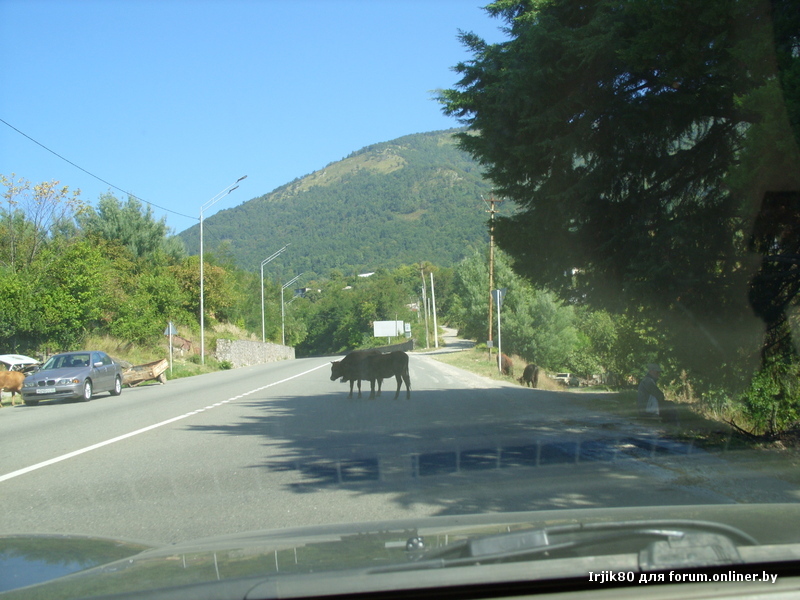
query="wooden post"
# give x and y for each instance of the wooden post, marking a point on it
(492, 212)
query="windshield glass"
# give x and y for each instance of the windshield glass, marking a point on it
(66, 361)
(384, 288)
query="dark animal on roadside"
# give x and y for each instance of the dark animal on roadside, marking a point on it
(530, 376)
(384, 366)
(181, 344)
(352, 368)
(506, 365)
(11, 381)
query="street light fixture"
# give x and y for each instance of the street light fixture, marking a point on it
(205, 206)
(263, 262)
(283, 322)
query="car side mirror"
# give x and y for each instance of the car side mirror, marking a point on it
(99, 363)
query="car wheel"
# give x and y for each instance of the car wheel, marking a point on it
(87, 390)
(117, 387)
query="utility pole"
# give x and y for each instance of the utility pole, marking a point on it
(492, 210)
(435, 322)
(425, 305)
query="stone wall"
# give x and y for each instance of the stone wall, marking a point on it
(243, 353)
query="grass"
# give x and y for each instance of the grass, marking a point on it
(480, 362)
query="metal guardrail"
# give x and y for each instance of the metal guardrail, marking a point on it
(406, 346)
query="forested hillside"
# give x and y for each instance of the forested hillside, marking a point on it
(415, 198)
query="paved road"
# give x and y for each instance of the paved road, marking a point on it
(281, 445)
(450, 343)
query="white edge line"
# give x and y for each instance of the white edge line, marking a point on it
(125, 436)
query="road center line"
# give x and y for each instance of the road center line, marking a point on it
(125, 436)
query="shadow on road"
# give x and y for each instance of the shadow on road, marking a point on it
(491, 451)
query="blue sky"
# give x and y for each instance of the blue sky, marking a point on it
(173, 100)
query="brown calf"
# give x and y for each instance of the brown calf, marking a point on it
(11, 381)
(506, 365)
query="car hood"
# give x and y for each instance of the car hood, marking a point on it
(347, 558)
(17, 360)
(69, 372)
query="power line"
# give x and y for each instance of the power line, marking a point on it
(95, 176)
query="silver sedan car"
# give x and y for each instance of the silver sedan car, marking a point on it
(73, 375)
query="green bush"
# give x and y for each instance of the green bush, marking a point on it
(772, 402)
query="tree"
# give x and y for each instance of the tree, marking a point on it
(31, 217)
(218, 292)
(538, 326)
(18, 312)
(469, 308)
(597, 335)
(341, 317)
(786, 27)
(67, 291)
(132, 226)
(615, 127)
(767, 169)
(534, 323)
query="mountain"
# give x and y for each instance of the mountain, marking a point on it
(416, 198)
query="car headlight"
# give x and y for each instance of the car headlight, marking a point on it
(29, 384)
(67, 381)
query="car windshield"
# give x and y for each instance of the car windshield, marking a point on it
(66, 361)
(333, 296)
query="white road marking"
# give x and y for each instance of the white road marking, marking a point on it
(125, 436)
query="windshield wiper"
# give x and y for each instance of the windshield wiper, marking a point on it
(660, 544)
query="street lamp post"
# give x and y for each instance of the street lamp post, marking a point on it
(205, 206)
(283, 322)
(263, 262)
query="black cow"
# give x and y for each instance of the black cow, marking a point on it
(530, 376)
(352, 368)
(383, 366)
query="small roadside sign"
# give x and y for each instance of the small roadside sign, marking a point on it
(170, 331)
(498, 295)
